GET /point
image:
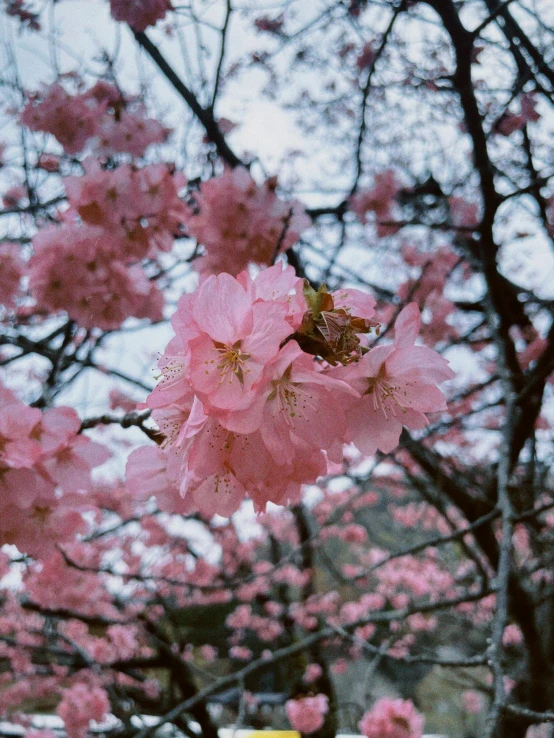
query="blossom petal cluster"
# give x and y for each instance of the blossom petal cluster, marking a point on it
(140, 208)
(73, 270)
(89, 265)
(378, 200)
(246, 409)
(45, 466)
(240, 222)
(80, 704)
(307, 714)
(392, 719)
(139, 14)
(99, 118)
(398, 385)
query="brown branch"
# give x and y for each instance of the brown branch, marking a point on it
(204, 115)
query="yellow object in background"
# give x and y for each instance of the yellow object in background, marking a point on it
(273, 734)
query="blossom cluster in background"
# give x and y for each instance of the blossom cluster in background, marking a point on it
(45, 473)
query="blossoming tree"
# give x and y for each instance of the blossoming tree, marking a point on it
(337, 479)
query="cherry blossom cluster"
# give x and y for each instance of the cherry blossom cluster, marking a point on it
(81, 696)
(307, 714)
(99, 118)
(73, 270)
(140, 14)
(242, 574)
(80, 704)
(45, 467)
(240, 222)
(55, 585)
(379, 200)
(245, 407)
(20, 9)
(89, 266)
(510, 122)
(392, 719)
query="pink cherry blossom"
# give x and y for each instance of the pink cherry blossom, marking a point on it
(241, 222)
(119, 399)
(55, 585)
(14, 196)
(130, 132)
(49, 163)
(299, 403)
(66, 117)
(378, 200)
(98, 118)
(44, 463)
(307, 714)
(236, 339)
(246, 412)
(392, 719)
(398, 385)
(151, 472)
(73, 271)
(512, 635)
(140, 14)
(312, 674)
(472, 701)
(80, 704)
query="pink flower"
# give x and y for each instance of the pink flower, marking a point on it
(339, 667)
(472, 701)
(44, 461)
(312, 674)
(14, 195)
(241, 653)
(55, 585)
(512, 635)
(392, 719)
(151, 472)
(71, 456)
(397, 384)
(69, 118)
(49, 163)
(140, 14)
(236, 338)
(140, 208)
(222, 467)
(74, 270)
(129, 132)
(241, 222)
(208, 652)
(247, 410)
(299, 404)
(119, 399)
(18, 448)
(80, 704)
(99, 118)
(379, 200)
(463, 213)
(307, 714)
(366, 56)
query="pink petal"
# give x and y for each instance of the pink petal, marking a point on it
(223, 309)
(406, 327)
